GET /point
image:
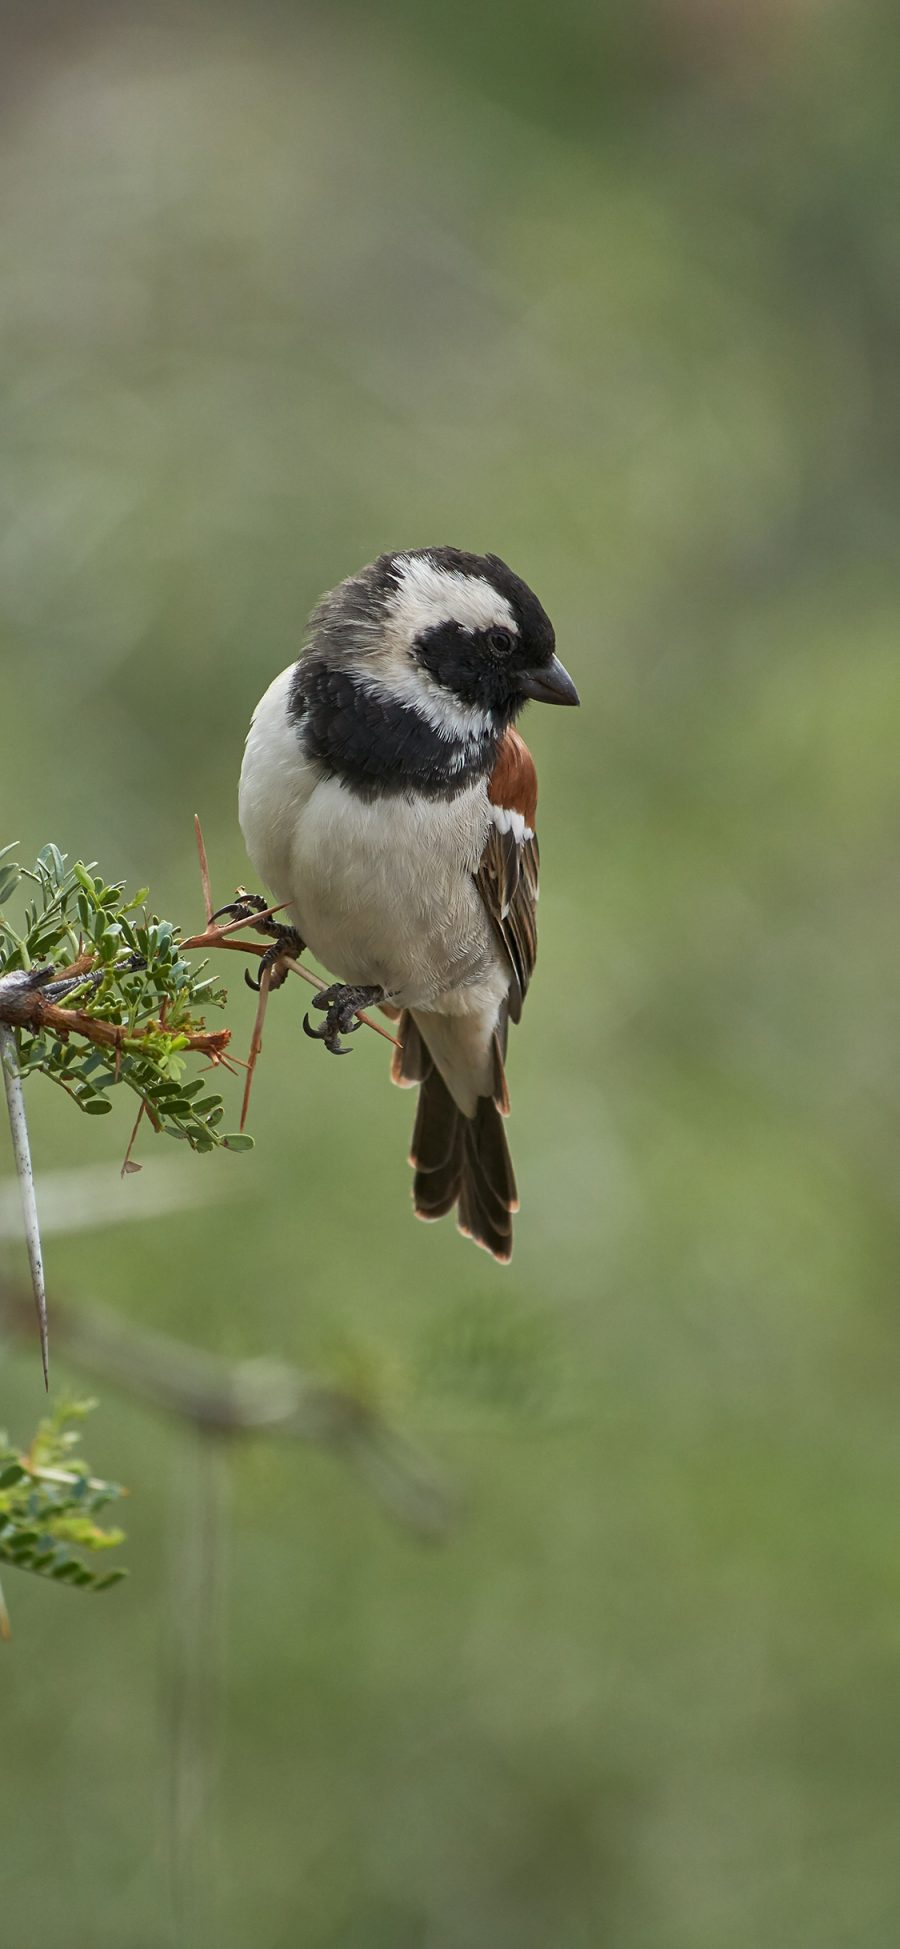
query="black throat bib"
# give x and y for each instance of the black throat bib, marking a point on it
(377, 744)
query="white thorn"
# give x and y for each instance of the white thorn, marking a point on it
(15, 1103)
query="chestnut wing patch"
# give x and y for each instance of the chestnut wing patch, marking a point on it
(507, 876)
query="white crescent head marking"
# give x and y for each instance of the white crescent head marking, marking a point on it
(428, 595)
(425, 596)
(398, 680)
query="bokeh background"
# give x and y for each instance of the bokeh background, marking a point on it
(613, 291)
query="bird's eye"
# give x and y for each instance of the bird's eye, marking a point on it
(500, 641)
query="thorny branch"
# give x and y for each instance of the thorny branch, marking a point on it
(58, 1007)
(92, 995)
(33, 999)
(26, 1003)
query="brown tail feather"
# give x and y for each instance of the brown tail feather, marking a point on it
(457, 1159)
(435, 1192)
(436, 1133)
(411, 1063)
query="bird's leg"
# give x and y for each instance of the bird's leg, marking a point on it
(286, 941)
(342, 1006)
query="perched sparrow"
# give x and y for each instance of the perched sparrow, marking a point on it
(387, 799)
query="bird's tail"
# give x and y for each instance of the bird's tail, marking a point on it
(459, 1160)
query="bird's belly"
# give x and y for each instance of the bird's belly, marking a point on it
(383, 891)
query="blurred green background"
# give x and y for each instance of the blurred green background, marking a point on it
(614, 292)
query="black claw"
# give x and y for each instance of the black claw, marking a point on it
(243, 907)
(272, 962)
(327, 1034)
(341, 1005)
(254, 909)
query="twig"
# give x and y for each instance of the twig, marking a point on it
(128, 1164)
(15, 1103)
(216, 936)
(23, 1003)
(255, 1040)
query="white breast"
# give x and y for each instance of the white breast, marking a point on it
(382, 891)
(275, 786)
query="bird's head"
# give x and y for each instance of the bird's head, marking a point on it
(457, 637)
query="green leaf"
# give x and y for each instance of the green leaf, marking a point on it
(51, 857)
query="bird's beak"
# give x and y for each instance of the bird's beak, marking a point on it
(551, 685)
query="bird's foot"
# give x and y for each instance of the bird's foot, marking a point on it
(342, 1006)
(275, 960)
(254, 908)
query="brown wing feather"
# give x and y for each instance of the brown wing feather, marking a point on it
(507, 876)
(464, 1160)
(513, 781)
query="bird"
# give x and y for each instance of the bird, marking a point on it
(388, 801)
